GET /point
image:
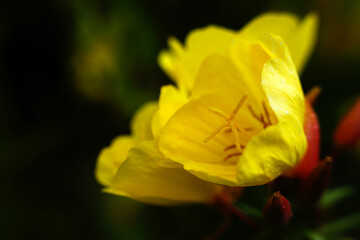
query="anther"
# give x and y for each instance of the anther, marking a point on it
(254, 114)
(247, 129)
(232, 147)
(231, 155)
(266, 113)
(265, 120)
(236, 136)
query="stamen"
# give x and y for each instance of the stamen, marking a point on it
(232, 147)
(219, 113)
(265, 120)
(228, 130)
(247, 129)
(262, 118)
(236, 135)
(253, 113)
(266, 113)
(229, 147)
(211, 135)
(242, 130)
(231, 155)
(237, 108)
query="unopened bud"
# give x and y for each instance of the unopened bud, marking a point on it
(277, 210)
(315, 184)
(347, 133)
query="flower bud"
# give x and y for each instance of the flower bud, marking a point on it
(315, 184)
(277, 210)
(347, 133)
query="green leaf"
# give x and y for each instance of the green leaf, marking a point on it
(341, 225)
(333, 196)
(312, 235)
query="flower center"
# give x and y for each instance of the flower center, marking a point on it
(232, 126)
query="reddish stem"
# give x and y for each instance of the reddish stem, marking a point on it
(240, 215)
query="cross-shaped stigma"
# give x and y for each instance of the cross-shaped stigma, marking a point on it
(230, 123)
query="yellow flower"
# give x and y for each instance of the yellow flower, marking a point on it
(242, 126)
(235, 119)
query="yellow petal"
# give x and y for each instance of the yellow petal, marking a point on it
(299, 36)
(282, 145)
(249, 57)
(270, 153)
(281, 24)
(172, 64)
(111, 158)
(171, 99)
(141, 122)
(142, 178)
(281, 82)
(219, 75)
(182, 139)
(201, 43)
(217, 173)
(302, 41)
(183, 64)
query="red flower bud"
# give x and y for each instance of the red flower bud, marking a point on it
(315, 184)
(347, 133)
(277, 210)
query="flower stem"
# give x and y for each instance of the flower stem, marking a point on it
(242, 216)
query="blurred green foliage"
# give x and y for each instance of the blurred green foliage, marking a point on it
(115, 49)
(73, 72)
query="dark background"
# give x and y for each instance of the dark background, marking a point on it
(51, 129)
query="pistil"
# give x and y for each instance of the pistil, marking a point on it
(230, 123)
